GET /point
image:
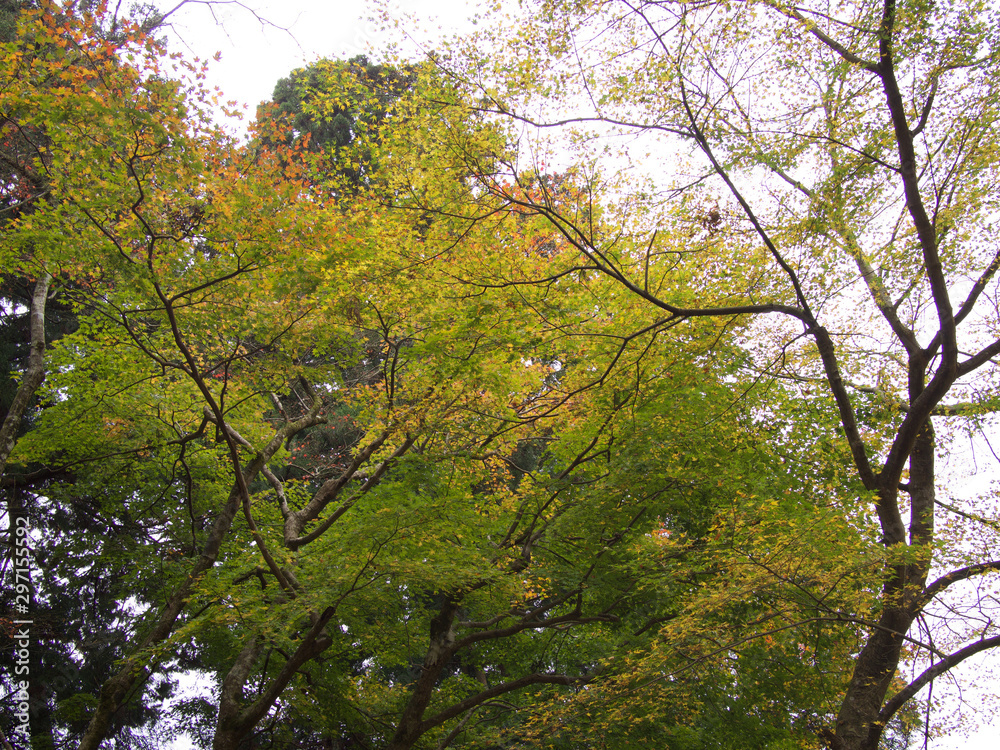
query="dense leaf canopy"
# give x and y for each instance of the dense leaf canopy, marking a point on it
(429, 415)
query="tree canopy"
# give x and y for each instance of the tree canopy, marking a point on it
(584, 385)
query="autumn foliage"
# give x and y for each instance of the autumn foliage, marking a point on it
(400, 425)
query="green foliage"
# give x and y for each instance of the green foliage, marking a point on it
(404, 438)
(338, 108)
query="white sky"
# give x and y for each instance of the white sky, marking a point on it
(257, 50)
(287, 34)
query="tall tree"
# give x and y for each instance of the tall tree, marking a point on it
(831, 172)
(221, 304)
(234, 300)
(58, 65)
(405, 435)
(122, 165)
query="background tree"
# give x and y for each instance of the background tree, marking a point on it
(57, 66)
(338, 108)
(101, 132)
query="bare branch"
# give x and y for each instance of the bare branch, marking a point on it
(900, 699)
(962, 574)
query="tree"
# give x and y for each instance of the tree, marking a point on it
(27, 179)
(338, 107)
(455, 549)
(835, 180)
(411, 437)
(122, 172)
(436, 568)
(220, 306)
(58, 69)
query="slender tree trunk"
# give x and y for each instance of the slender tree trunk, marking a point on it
(33, 376)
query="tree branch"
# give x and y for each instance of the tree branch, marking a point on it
(899, 699)
(961, 574)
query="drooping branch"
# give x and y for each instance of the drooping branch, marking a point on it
(602, 264)
(702, 140)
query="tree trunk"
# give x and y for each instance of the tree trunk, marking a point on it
(33, 376)
(231, 727)
(439, 651)
(858, 726)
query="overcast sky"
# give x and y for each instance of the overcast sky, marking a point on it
(261, 41)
